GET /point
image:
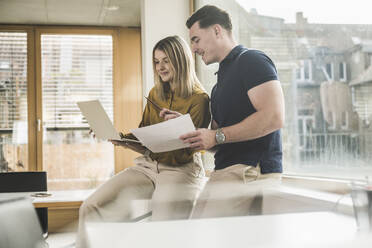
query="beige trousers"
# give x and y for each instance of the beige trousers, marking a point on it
(234, 191)
(172, 191)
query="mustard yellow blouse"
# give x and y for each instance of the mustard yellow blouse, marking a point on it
(197, 105)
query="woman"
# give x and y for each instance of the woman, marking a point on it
(172, 180)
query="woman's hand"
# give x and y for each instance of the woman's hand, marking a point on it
(137, 147)
(119, 143)
(167, 114)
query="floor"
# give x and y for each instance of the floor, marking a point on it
(61, 240)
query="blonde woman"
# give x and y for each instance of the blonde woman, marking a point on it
(172, 180)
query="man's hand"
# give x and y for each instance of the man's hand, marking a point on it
(201, 139)
(167, 114)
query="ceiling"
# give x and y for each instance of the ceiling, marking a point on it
(71, 12)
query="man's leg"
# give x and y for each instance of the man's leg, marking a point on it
(233, 191)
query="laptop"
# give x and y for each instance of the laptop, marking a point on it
(99, 121)
(19, 225)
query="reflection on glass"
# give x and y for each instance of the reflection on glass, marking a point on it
(13, 102)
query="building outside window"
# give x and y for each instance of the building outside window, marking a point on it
(331, 142)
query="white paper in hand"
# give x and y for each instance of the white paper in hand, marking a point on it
(98, 120)
(164, 136)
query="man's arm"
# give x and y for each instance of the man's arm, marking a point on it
(214, 125)
(267, 99)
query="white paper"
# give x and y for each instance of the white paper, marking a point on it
(164, 136)
(98, 120)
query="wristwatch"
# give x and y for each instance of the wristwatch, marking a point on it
(220, 136)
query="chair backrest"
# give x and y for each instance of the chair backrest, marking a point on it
(19, 226)
(30, 181)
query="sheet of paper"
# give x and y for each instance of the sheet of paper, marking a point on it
(98, 120)
(164, 136)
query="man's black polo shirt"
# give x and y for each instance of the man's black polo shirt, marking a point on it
(241, 70)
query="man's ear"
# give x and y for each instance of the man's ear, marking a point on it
(217, 29)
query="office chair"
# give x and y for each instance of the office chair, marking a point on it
(19, 225)
(27, 182)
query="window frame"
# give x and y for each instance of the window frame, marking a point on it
(332, 76)
(301, 69)
(31, 91)
(344, 76)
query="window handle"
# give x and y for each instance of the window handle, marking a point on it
(38, 125)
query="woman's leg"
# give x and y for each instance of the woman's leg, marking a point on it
(112, 201)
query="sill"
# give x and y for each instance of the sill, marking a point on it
(323, 184)
(318, 194)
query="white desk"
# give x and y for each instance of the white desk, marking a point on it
(315, 229)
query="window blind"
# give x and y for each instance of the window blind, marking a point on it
(75, 68)
(13, 79)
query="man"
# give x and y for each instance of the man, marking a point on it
(247, 106)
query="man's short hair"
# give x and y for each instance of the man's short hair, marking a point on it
(209, 15)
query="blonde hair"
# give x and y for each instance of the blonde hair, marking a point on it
(182, 64)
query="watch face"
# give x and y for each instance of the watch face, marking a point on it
(220, 136)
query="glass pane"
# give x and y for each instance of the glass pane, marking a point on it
(291, 32)
(13, 102)
(75, 68)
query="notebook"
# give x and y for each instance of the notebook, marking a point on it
(99, 121)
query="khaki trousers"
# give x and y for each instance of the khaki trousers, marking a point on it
(234, 191)
(172, 190)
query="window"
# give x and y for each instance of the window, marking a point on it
(43, 72)
(342, 70)
(304, 72)
(13, 102)
(329, 70)
(75, 68)
(304, 48)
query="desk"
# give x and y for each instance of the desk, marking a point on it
(314, 229)
(66, 198)
(63, 207)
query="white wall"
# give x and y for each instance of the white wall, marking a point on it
(160, 18)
